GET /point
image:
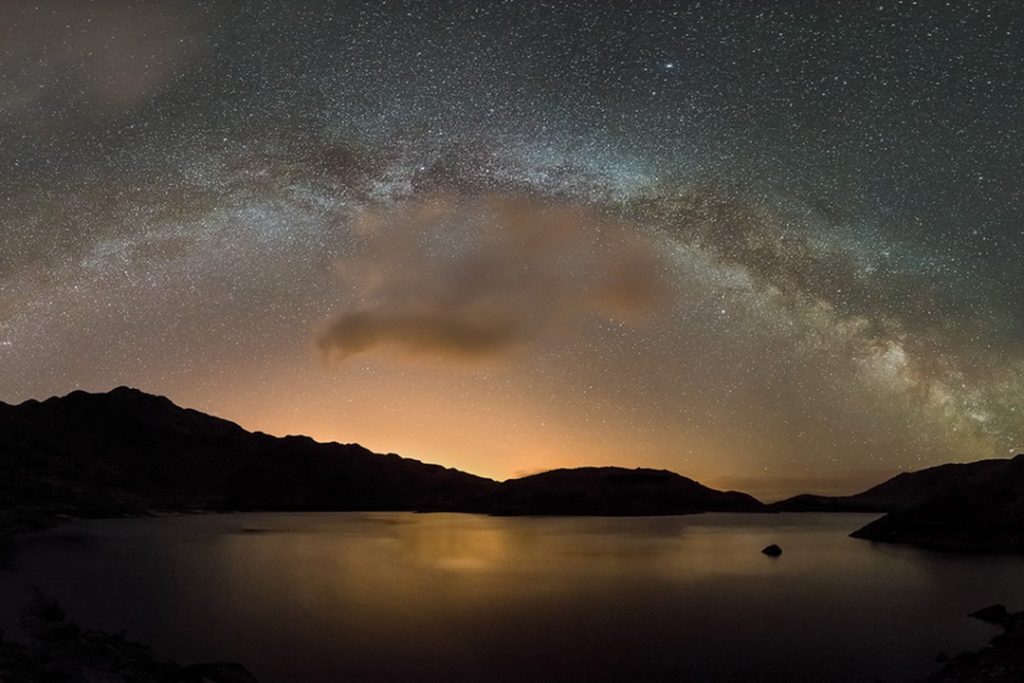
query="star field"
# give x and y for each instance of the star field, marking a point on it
(761, 244)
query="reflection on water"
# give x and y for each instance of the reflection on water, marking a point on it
(405, 597)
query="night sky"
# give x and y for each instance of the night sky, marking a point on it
(769, 245)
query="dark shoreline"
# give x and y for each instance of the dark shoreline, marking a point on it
(1001, 661)
(61, 651)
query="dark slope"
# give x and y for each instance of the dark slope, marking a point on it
(610, 491)
(127, 451)
(1001, 662)
(902, 491)
(59, 651)
(982, 511)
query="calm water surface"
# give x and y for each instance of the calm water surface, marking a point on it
(403, 597)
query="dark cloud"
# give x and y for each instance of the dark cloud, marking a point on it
(472, 277)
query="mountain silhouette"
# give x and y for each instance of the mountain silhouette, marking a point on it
(610, 491)
(975, 507)
(905, 490)
(127, 452)
(980, 510)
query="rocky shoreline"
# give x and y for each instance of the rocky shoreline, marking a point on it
(60, 651)
(1002, 661)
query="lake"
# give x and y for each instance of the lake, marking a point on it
(402, 597)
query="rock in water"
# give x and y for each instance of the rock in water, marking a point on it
(772, 550)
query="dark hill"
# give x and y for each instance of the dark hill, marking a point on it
(127, 451)
(902, 491)
(980, 511)
(610, 491)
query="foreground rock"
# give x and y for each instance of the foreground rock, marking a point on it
(981, 513)
(62, 652)
(1001, 662)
